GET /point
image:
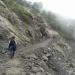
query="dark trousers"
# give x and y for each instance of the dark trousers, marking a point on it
(12, 51)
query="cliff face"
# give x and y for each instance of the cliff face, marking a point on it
(49, 54)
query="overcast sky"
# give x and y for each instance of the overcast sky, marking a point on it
(65, 8)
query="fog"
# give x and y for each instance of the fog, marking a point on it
(65, 12)
(64, 8)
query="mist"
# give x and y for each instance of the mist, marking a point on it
(64, 13)
(67, 27)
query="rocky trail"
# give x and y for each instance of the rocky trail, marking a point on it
(24, 58)
(41, 50)
(14, 66)
(31, 48)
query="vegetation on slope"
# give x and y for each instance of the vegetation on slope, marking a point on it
(19, 10)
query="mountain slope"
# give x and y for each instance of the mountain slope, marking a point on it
(41, 50)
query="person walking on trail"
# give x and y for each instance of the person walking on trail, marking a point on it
(12, 46)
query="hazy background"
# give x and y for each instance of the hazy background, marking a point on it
(65, 8)
(64, 11)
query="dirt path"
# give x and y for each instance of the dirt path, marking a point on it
(30, 49)
(13, 66)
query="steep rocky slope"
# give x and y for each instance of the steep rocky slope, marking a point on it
(41, 50)
(26, 28)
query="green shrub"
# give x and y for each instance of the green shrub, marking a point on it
(19, 10)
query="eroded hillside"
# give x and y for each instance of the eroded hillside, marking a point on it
(41, 50)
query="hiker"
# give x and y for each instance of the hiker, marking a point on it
(12, 46)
